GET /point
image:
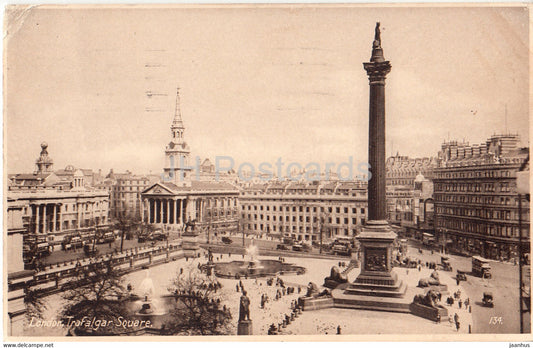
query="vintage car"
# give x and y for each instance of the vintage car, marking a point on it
(487, 299)
(461, 275)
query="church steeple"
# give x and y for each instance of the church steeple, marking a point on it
(177, 127)
(177, 153)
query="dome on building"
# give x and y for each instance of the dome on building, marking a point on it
(419, 178)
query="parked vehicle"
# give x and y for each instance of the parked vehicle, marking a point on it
(107, 237)
(226, 240)
(297, 247)
(282, 247)
(342, 246)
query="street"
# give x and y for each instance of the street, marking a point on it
(503, 317)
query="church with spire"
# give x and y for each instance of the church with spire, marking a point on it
(177, 152)
(181, 197)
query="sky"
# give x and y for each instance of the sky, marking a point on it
(257, 83)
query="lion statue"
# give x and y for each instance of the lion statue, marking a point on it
(335, 278)
(430, 299)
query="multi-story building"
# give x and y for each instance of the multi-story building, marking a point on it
(402, 198)
(305, 211)
(178, 199)
(125, 193)
(54, 207)
(476, 202)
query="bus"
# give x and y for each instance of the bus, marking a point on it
(342, 246)
(481, 267)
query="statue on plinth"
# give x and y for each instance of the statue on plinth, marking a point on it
(244, 307)
(312, 291)
(335, 278)
(430, 299)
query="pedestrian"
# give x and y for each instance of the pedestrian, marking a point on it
(338, 330)
(458, 281)
(438, 318)
(460, 304)
(457, 325)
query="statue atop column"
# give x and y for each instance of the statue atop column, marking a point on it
(377, 37)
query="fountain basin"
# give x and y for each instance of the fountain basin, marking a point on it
(257, 269)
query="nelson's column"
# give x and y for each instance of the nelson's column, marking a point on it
(376, 280)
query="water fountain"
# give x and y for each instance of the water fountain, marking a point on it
(253, 264)
(252, 267)
(149, 304)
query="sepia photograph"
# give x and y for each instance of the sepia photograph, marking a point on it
(299, 171)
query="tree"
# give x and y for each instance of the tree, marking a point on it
(35, 305)
(125, 223)
(97, 292)
(198, 310)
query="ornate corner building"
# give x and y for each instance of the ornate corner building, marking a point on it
(56, 205)
(476, 200)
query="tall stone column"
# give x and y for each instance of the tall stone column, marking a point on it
(60, 216)
(143, 204)
(54, 220)
(37, 207)
(376, 277)
(168, 212)
(151, 209)
(45, 219)
(160, 210)
(175, 211)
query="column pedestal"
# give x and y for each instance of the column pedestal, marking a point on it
(244, 328)
(376, 277)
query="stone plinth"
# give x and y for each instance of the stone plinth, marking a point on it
(377, 287)
(427, 312)
(376, 277)
(244, 328)
(315, 303)
(190, 244)
(347, 299)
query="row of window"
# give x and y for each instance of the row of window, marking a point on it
(138, 188)
(474, 187)
(132, 182)
(480, 213)
(300, 230)
(492, 200)
(287, 218)
(352, 193)
(301, 209)
(482, 228)
(474, 174)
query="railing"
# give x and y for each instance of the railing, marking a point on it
(60, 276)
